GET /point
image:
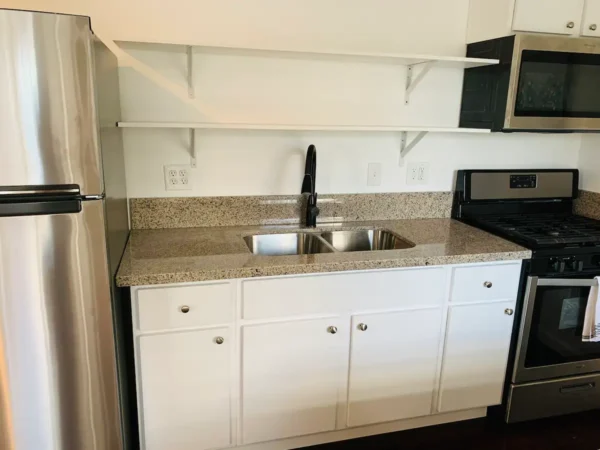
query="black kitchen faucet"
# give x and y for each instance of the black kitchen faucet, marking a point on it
(308, 186)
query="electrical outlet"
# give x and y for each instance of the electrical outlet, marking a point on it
(417, 173)
(374, 174)
(177, 178)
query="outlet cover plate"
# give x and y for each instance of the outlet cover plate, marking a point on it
(417, 173)
(178, 177)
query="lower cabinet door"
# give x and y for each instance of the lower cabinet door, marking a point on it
(475, 355)
(393, 364)
(185, 389)
(292, 375)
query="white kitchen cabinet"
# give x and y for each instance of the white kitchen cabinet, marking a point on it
(292, 375)
(184, 306)
(475, 355)
(184, 384)
(393, 365)
(548, 16)
(487, 282)
(343, 292)
(591, 19)
(498, 18)
(303, 356)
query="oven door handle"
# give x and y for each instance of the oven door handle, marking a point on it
(577, 388)
(567, 282)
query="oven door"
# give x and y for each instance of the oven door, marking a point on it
(553, 84)
(550, 343)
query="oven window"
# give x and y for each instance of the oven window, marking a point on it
(556, 327)
(558, 84)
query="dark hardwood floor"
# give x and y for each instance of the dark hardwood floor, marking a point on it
(573, 432)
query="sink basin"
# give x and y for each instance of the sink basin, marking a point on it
(286, 244)
(365, 240)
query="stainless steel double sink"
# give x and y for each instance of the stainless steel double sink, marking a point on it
(305, 243)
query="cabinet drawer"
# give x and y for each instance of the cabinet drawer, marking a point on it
(185, 306)
(346, 292)
(491, 282)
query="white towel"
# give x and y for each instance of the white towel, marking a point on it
(591, 323)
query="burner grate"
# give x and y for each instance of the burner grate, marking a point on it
(545, 230)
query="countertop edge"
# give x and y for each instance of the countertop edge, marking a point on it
(345, 266)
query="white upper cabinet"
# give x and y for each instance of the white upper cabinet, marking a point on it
(591, 19)
(475, 355)
(292, 376)
(548, 16)
(498, 18)
(393, 365)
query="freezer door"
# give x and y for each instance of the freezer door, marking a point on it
(58, 377)
(48, 120)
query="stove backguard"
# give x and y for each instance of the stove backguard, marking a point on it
(484, 192)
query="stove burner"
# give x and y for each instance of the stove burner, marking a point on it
(544, 230)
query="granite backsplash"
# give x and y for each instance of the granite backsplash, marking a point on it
(588, 205)
(188, 212)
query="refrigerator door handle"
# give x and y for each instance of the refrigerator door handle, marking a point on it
(7, 192)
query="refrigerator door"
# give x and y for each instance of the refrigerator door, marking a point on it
(58, 375)
(48, 120)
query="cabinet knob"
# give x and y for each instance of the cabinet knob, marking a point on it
(570, 24)
(185, 309)
(362, 326)
(509, 312)
(219, 340)
(488, 284)
(332, 330)
(593, 27)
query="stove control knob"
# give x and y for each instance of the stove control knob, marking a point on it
(573, 265)
(570, 264)
(557, 265)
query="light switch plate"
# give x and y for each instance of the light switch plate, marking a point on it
(178, 177)
(374, 174)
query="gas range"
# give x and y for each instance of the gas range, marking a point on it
(561, 243)
(551, 370)
(532, 208)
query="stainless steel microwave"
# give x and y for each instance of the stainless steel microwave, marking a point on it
(543, 83)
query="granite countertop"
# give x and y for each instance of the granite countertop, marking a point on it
(176, 255)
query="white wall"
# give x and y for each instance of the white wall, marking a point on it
(254, 88)
(367, 25)
(589, 163)
(264, 163)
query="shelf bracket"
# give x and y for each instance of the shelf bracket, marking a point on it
(190, 71)
(413, 81)
(193, 148)
(405, 146)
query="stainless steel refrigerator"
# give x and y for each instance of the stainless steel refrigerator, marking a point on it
(63, 227)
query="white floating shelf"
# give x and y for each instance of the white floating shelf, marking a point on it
(418, 66)
(405, 145)
(399, 58)
(279, 127)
